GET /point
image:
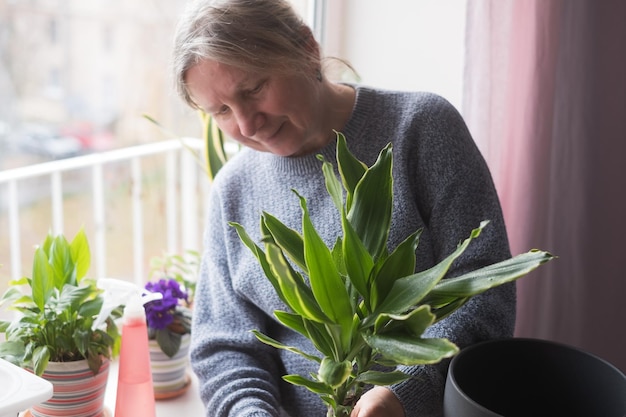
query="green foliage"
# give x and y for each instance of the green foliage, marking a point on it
(56, 319)
(181, 267)
(214, 141)
(365, 305)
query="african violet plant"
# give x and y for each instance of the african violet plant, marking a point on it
(364, 305)
(168, 318)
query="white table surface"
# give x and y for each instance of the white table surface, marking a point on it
(188, 404)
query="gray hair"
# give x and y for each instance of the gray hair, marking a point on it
(263, 36)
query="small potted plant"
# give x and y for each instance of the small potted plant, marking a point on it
(169, 322)
(62, 325)
(363, 304)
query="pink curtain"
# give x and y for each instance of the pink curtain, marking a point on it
(545, 98)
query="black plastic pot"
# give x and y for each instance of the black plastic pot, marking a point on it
(532, 377)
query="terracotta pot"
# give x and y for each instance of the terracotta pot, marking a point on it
(170, 376)
(529, 377)
(77, 391)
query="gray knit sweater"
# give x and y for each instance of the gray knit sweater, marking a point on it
(441, 183)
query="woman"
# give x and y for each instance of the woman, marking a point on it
(256, 68)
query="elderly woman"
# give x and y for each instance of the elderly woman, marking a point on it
(256, 68)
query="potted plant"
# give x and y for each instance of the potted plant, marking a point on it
(61, 323)
(169, 322)
(363, 304)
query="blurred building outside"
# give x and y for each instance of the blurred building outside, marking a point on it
(76, 78)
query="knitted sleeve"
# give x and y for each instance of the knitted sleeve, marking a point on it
(237, 374)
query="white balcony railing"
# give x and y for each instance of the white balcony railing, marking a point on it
(184, 187)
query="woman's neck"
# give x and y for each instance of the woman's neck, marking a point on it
(336, 108)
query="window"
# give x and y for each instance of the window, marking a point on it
(53, 31)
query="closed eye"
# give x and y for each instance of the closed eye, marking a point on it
(257, 89)
(222, 111)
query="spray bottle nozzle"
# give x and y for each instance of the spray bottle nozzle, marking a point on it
(147, 296)
(118, 292)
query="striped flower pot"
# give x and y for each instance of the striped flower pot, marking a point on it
(77, 391)
(170, 376)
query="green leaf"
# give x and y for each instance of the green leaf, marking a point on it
(260, 255)
(326, 282)
(340, 336)
(71, 297)
(115, 335)
(47, 243)
(370, 212)
(322, 337)
(358, 261)
(337, 252)
(350, 168)
(13, 348)
(480, 280)
(81, 338)
(214, 142)
(297, 294)
(20, 281)
(10, 295)
(91, 308)
(275, 343)
(312, 330)
(43, 279)
(289, 240)
(413, 323)
(382, 378)
(333, 186)
(40, 358)
(80, 254)
(410, 350)
(314, 386)
(60, 258)
(293, 321)
(408, 291)
(399, 264)
(168, 341)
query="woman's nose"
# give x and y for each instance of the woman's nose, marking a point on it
(250, 121)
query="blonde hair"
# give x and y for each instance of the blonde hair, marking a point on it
(263, 36)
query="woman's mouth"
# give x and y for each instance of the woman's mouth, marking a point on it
(273, 136)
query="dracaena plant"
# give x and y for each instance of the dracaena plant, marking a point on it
(364, 305)
(58, 318)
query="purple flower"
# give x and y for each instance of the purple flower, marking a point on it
(160, 313)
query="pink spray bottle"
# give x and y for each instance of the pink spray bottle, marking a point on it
(135, 393)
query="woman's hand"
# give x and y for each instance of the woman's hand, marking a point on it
(378, 402)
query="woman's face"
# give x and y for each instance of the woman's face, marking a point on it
(270, 113)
